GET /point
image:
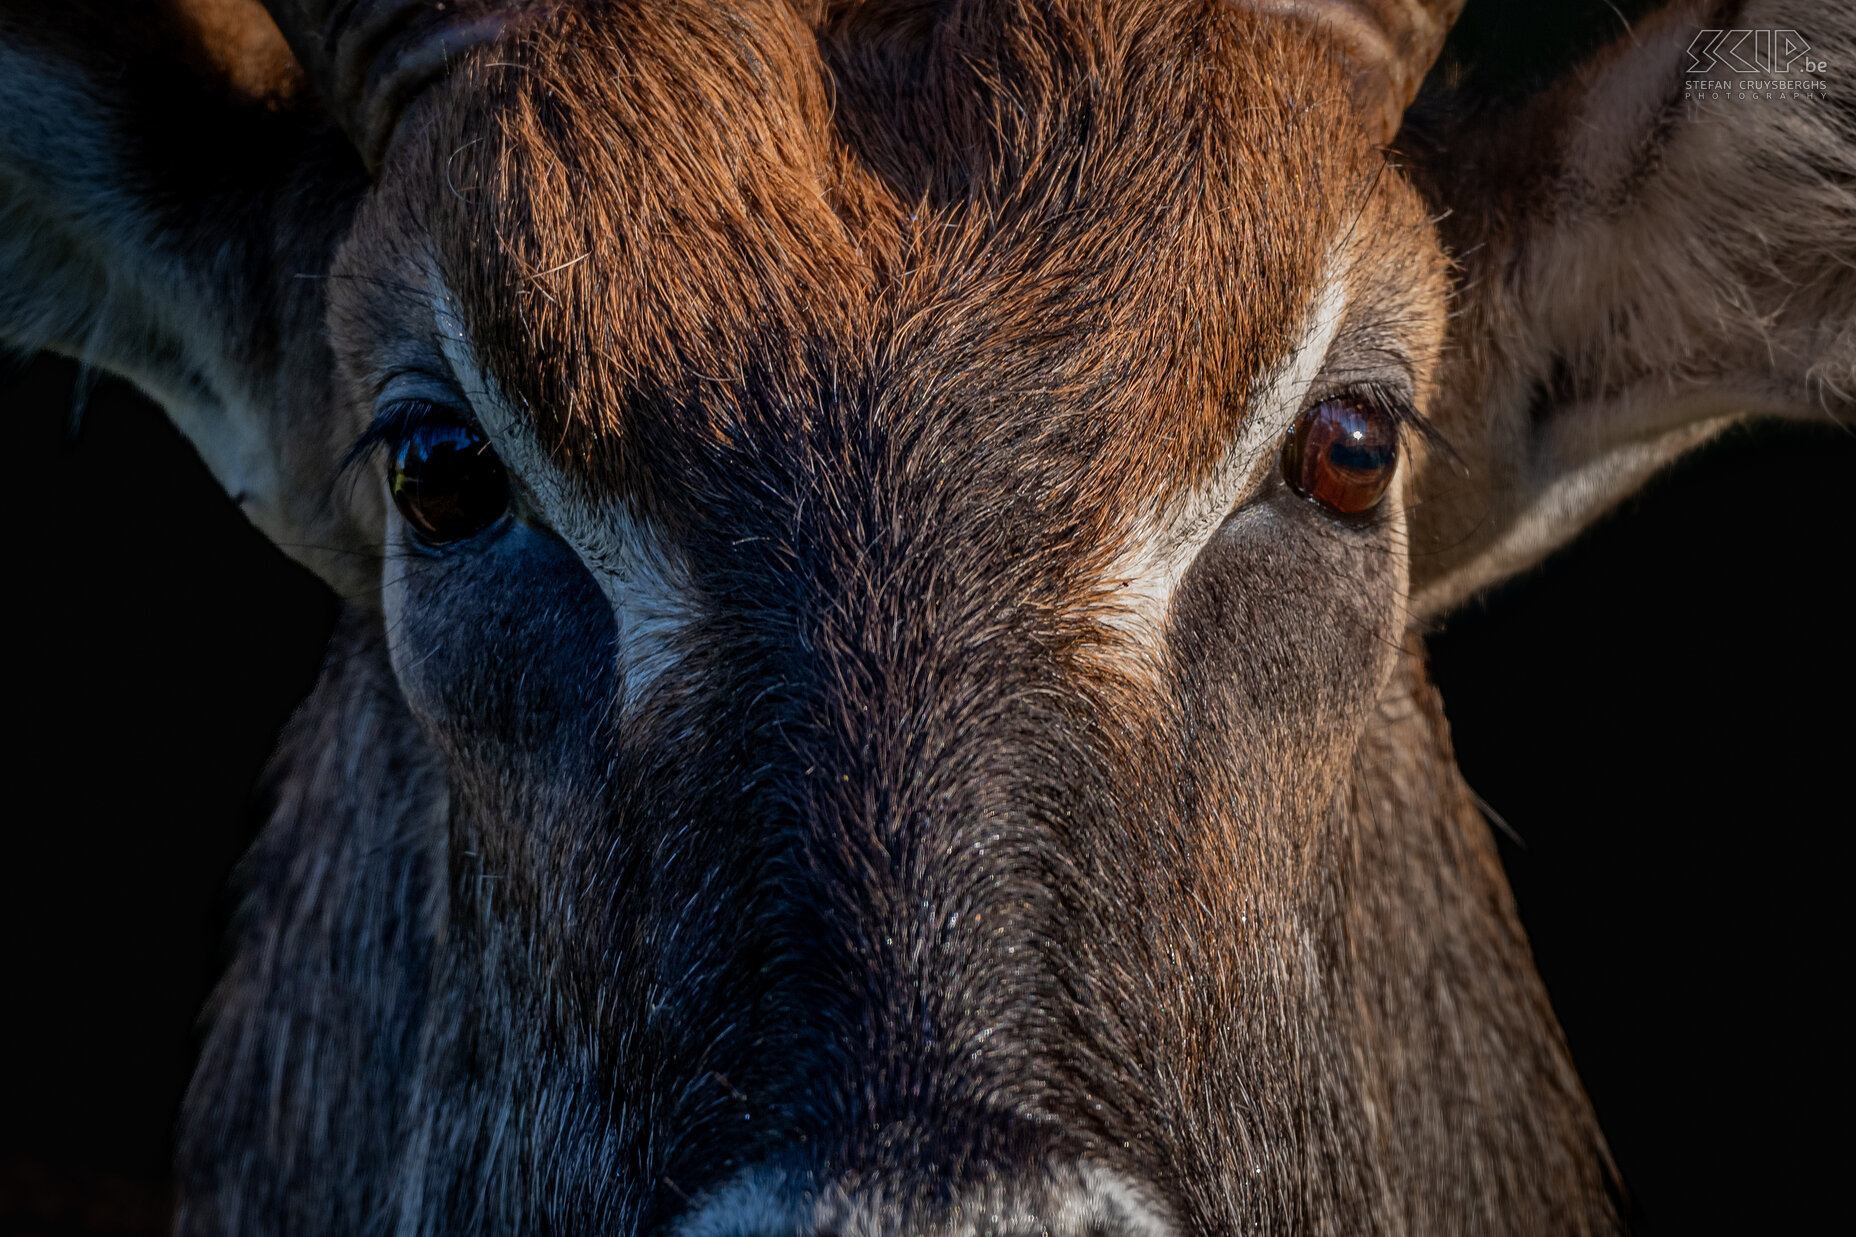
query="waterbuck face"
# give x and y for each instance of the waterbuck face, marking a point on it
(893, 686)
(883, 548)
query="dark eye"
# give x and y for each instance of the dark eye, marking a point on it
(446, 480)
(1342, 454)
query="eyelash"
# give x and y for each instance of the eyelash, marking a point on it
(1394, 401)
(393, 424)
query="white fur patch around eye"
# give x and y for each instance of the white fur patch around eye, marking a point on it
(1160, 545)
(642, 578)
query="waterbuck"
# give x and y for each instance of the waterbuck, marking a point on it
(883, 548)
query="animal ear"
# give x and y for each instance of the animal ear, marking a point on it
(170, 198)
(173, 187)
(1647, 251)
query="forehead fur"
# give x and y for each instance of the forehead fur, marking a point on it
(1078, 229)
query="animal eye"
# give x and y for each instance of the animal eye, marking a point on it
(1342, 454)
(446, 480)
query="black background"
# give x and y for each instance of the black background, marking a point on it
(1660, 715)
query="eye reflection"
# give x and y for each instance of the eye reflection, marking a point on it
(1342, 454)
(446, 481)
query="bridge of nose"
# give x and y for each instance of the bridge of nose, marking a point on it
(912, 747)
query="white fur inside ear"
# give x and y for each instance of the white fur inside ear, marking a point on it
(1572, 488)
(1161, 545)
(640, 574)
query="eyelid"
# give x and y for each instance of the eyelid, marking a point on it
(418, 381)
(1394, 398)
(401, 405)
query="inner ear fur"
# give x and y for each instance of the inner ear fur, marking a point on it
(1636, 269)
(170, 201)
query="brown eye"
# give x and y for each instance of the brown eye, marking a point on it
(447, 481)
(1342, 454)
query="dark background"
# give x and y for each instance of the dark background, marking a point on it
(1660, 716)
